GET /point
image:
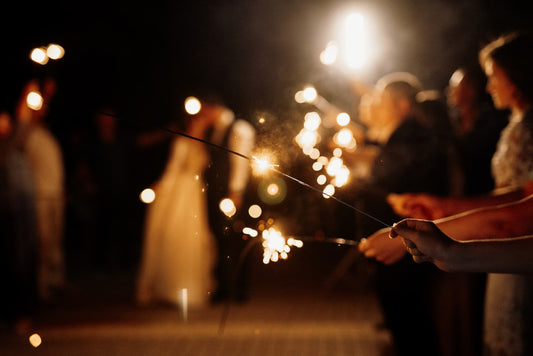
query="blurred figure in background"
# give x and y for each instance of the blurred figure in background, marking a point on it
(46, 160)
(477, 124)
(410, 158)
(179, 248)
(227, 176)
(508, 324)
(18, 232)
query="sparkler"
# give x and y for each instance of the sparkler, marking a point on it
(273, 168)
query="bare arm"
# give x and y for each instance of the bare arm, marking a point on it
(427, 243)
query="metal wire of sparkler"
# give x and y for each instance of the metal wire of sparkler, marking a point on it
(272, 168)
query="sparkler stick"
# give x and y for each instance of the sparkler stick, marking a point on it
(272, 168)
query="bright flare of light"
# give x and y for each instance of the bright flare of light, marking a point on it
(337, 152)
(310, 94)
(334, 165)
(312, 121)
(329, 190)
(147, 196)
(299, 97)
(306, 138)
(317, 166)
(343, 119)
(262, 164)
(35, 340)
(343, 137)
(192, 105)
(55, 51)
(275, 245)
(315, 153)
(227, 207)
(272, 189)
(38, 55)
(34, 100)
(329, 55)
(250, 232)
(341, 178)
(323, 160)
(255, 211)
(354, 44)
(321, 179)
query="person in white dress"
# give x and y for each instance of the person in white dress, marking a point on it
(179, 249)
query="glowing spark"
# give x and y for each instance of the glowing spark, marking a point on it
(317, 166)
(34, 100)
(354, 44)
(343, 119)
(299, 97)
(312, 121)
(321, 179)
(192, 105)
(343, 137)
(227, 207)
(250, 232)
(275, 245)
(38, 55)
(310, 94)
(255, 211)
(35, 340)
(262, 165)
(329, 55)
(329, 190)
(147, 196)
(273, 189)
(55, 51)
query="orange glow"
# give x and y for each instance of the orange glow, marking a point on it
(55, 51)
(227, 207)
(34, 100)
(273, 189)
(35, 340)
(38, 55)
(147, 196)
(255, 211)
(192, 105)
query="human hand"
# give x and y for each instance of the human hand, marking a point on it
(418, 206)
(380, 247)
(424, 241)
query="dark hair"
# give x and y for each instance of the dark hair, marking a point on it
(401, 85)
(513, 52)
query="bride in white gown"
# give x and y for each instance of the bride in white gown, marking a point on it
(179, 249)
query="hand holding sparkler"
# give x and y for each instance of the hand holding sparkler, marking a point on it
(380, 247)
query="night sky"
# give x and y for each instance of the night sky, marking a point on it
(145, 56)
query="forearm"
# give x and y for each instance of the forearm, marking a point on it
(494, 222)
(455, 205)
(493, 256)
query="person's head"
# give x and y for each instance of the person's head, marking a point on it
(467, 87)
(507, 62)
(394, 98)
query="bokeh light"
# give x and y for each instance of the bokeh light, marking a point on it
(35, 340)
(34, 100)
(227, 207)
(255, 211)
(38, 55)
(192, 105)
(55, 51)
(147, 196)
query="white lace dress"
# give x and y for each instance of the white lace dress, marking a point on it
(178, 251)
(509, 298)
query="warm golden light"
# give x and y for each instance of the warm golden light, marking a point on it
(250, 232)
(299, 97)
(38, 55)
(329, 55)
(343, 137)
(312, 121)
(334, 165)
(329, 190)
(306, 138)
(317, 166)
(310, 94)
(354, 44)
(35, 340)
(55, 51)
(275, 245)
(255, 211)
(343, 119)
(34, 100)
(147, 196)
(321, 179)
(192, 105)
(272, 189)
(227, 207)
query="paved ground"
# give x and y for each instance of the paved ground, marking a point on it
(296, 307)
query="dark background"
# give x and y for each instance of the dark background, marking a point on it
(144, 58)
